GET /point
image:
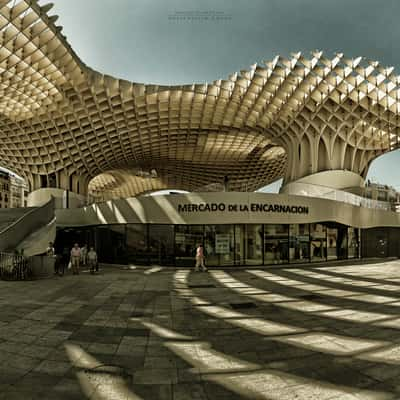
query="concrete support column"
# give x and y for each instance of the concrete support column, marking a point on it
(310, 154)
(72, 182)
(79, 184)
(63, 180)
(72, 187)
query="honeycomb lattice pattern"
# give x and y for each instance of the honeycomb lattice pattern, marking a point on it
(289, 117)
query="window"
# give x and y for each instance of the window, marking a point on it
(219, 244)
(249, 244)
(299, 243)
(276, 249)
(382, 195)
(353, 242)
(318, 242)
(187, 238)
(161, 244)
(110, 242)
(136, 244)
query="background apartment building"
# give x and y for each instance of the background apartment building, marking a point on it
(13, 191)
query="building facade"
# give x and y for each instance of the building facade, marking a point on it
(13, 191)
(234, 228)
(5, 193)
(316, 121)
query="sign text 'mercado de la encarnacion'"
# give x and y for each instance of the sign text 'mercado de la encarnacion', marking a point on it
(252, 207)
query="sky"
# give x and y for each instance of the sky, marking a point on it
(186, 41)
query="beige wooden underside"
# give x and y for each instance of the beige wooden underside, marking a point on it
(288, 117)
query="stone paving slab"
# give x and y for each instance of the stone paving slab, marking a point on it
(310, 332)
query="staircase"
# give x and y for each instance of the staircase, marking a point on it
(18, 224)
(10, 215)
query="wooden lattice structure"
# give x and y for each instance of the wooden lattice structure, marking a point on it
(64, 123)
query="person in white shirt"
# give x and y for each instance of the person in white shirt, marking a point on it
(75, 258)
(92, 260)
(200, 258)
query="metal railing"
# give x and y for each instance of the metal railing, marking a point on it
(324, 192)
(14, 267)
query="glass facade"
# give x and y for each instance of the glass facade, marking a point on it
(110, 243)
(252, 244)
(353, 243)
(161, 244)
(224, 245)
(219, 244)
(276, 244)
(318, 242)
(136, 246)
(299, 243)
(187, 238)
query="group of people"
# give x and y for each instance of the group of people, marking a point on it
(81, 256)
(77, 256)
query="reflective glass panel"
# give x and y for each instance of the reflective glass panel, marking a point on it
(299, 243)
(187, 238)
(318, 242)
(239, 244)
(276, 249)
(336, 241)
(161, 244)
(219, 245)
(253, 248)
(136, 244)
(353, 242)
(110, 244)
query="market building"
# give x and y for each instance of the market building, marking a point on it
(78, 136)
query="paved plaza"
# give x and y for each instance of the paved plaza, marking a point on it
(308, 332)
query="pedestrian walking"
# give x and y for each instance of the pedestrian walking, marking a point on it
(51, 252)
(200, 258)
(84, 252)
(92, 260)
(75, 259)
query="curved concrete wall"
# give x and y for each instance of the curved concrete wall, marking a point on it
(38, 241)
(41, 196)
(324, 182)
(232, 207)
